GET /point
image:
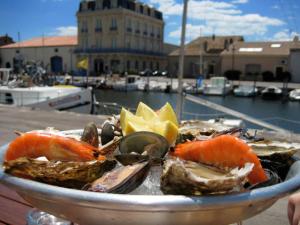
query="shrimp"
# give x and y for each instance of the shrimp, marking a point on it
(224, 151)
(51, 146)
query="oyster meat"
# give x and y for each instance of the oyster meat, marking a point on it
(190, 178)
(64, 174)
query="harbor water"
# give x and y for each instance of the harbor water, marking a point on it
(285, 114)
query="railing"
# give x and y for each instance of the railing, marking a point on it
(118, 50)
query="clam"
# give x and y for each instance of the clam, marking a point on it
(64, 174)
(107, 133)
(142, 145)
(189, 178)
(90, 135)
(121, 180)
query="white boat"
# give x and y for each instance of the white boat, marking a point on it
(271, 93)
(129, 84)
(245, 91)
(61, 97)
(217, 86)
(294, 95)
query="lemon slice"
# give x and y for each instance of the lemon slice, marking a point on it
(167, 129)
(135, 127)
(146, 112)
(167, 113)
(125, 117)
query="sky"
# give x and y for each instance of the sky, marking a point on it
(256, 20)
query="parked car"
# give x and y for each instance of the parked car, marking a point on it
(145, 72)
(156, 73)
(165, 73)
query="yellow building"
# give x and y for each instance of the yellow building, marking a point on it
(120, 35)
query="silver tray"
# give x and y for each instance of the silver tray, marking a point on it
(84, 207)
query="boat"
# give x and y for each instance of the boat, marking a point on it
(245, 91)
(294, 95)
(130, 84)
(14, 92)
(217, 86)
(271, 93)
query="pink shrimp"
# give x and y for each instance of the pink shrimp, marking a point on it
(224, 151)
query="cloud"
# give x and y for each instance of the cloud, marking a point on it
(219, 17)
(64, 31)
(275, 7)
(240, 1)
(285, 35)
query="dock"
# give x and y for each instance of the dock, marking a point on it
(25, 119)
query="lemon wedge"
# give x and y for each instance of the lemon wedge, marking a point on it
(146, 112)
(135, 127)
(167, 113)
(166, 129)
(125, 117)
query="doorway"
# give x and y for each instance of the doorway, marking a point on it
(56, 64)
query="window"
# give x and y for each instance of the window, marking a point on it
(113, 24)
(18, 51)
(275, 45)
(98, 42)
(128, 65)
(137, 27)
(56, 50)
(136, 65)
(253, 69)
(250, 49)
(145, 29)
(128, 43)
(98, 27)
(84, 27)
(86, 42)
(141, 9)
(114, 42)
(106, 4)
(129, 25)
(158, 33)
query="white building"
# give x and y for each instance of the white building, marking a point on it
(55, 53)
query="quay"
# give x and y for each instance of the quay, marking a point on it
(13, 209)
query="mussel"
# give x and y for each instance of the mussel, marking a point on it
(121, 180)
(190, 178)
(140, 146)
(90, 135)
(64, 174)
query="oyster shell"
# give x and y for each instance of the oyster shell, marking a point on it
(64, 174)
(279, 149)
(189, 178)
(121, 180)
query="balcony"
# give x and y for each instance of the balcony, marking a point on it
(113, 28)
(117, 50)
(98, 30)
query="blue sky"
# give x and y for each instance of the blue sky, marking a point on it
(255, 19)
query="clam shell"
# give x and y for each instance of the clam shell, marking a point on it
(189, 178)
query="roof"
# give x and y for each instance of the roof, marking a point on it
(279, 48)
(45, 41)
(211, 45)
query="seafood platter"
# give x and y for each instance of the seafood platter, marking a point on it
(149, 167)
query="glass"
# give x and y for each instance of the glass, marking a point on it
(37, 217)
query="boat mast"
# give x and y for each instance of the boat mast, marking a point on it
(181, 62)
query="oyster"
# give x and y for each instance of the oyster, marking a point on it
(90, 135)
(121, 180)
(189, 178)
(274, 149)
(64, 174)
(142, 144)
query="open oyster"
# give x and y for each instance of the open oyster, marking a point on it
(64, 174)
(189, 178)
(278, 149)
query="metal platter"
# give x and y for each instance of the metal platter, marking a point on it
(84, 207)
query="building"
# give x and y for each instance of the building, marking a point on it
(5, 40)
(205, 51)
(55, 53)
(252, 59)
(120, 35)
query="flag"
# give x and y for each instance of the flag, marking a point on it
(83, 64)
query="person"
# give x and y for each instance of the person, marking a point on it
(293, 209)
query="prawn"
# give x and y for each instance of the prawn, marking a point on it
(51, 146)
(224, 151)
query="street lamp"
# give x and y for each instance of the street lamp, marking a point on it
(181, 62)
